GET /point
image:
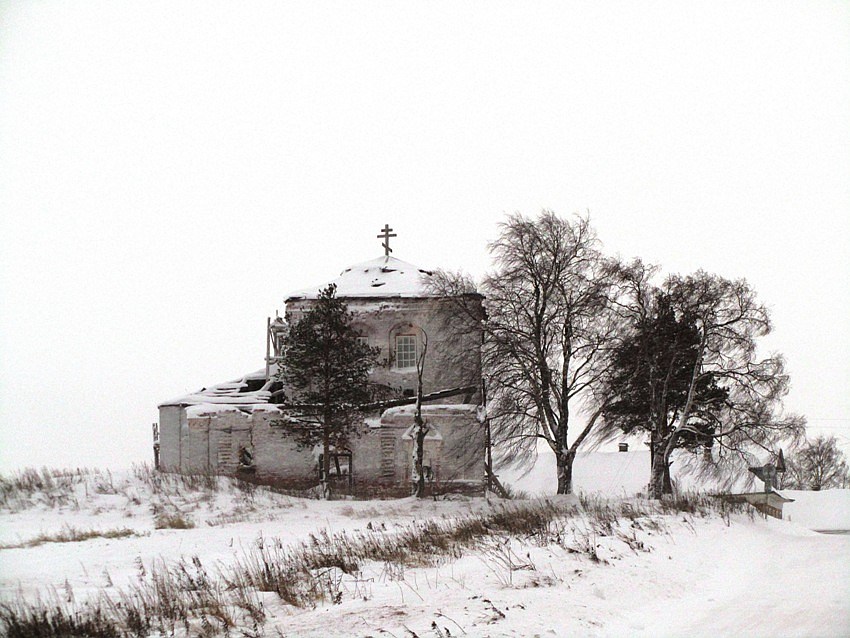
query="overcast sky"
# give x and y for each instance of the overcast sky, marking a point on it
(170, 171)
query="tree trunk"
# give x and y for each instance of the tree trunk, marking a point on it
(565, 472)
(668, 483)
(419, 456)
(657, 478)
(419, 442)
(419, 425)
(660, 483)
(326, 462)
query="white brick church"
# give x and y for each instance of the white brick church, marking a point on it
(240, 427)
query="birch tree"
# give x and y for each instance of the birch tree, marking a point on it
(818, 465)
(420, 428)
(548, 334)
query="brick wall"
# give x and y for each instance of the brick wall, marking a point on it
(453, 358)
(382, 457)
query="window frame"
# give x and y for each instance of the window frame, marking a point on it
(402, 344)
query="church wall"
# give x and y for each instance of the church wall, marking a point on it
(228, 431)
(169, 437)
(205, 444)
(382, 457)
(453, 357)
(458, 454)
(210, 441)
(195, 446)
(277, 455)
(184, 441)
(366, 455)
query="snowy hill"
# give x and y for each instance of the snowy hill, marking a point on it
(427, 568)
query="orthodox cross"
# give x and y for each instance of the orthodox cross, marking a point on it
(385, 235)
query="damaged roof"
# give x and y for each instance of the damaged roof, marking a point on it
(250, 390)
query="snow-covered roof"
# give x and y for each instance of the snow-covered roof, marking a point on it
(385, 276)
(437, 409)
(233, 393)
(209, 409)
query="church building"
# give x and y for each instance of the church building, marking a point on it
(244, 427)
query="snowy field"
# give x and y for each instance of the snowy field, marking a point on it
(636, 572)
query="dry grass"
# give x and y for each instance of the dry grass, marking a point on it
(173, 521)
(32, 486)
(70, 534)
(20, 620)
(184, 597)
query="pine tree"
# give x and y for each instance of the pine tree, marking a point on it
(688, 372)
(650, 377)
(326, 369)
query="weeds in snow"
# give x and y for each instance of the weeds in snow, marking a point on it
(21, 620)
(499, 557)
(54, 488)
(172, 521)
(32, 487)
(185, 597)
(323, 569)
(70, 534)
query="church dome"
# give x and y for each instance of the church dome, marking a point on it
(385, 276)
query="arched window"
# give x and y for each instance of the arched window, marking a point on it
(406, 344)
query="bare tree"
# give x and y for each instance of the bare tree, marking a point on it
(819, 464)
(548, 332)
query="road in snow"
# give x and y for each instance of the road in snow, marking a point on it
(767, 578)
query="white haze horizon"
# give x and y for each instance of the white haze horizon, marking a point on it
(169, 172)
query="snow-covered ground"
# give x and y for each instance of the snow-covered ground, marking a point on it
(658, 575)
(613, 474)
(828, 510)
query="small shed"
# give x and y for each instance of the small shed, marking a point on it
(768, 503)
